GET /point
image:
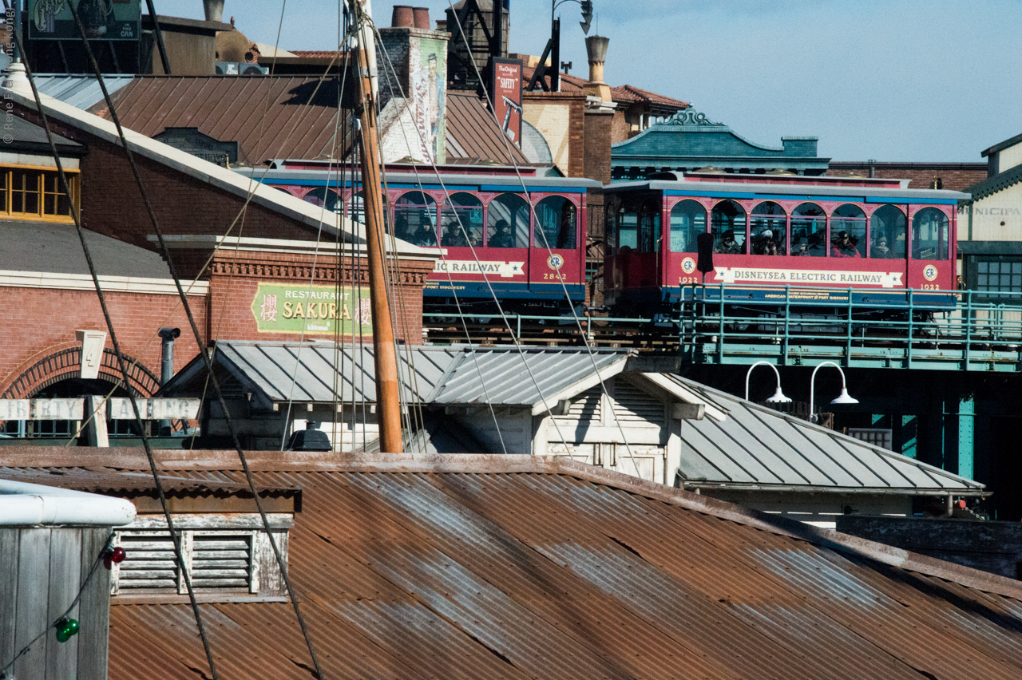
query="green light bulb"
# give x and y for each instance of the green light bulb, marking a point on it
(66, 628)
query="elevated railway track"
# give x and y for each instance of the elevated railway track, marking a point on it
(971, 336)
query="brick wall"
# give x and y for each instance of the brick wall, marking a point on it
(112, 203)
(955, 176)
(560, 118)
(39, 322)
(235, 281)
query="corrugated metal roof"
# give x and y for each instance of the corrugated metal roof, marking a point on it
(512, 566)
(472, 132)
(453, 374)
(756, 446)
(79, 90)
(269, 116)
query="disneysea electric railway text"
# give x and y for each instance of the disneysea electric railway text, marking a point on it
(520, 239)
(805, 243)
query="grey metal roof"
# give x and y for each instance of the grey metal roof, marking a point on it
(80, 91)
(793, 190)
(436, 374)
(508, 375)
(55, 248)
(756, 447)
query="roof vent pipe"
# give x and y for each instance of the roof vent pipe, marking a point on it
(168, 335)
(421, 17)
(403, 17)
(214, 10)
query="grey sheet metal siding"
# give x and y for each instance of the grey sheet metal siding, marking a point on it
(758, 446)
(444, 375)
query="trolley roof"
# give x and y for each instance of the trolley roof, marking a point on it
(805, 192)
(424, 177)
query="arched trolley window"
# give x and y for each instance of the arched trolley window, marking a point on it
(769, 228)
(688, 220)
(930, 235)
(848, 232)
(461, 221)
(808, 231)
(415, 218)
(557, 221)
(638, 224)
(507, 222)
(324, 197)
(887, 233)
(727, 220)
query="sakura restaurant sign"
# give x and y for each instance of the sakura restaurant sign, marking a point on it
(807, 276)
(314, 310)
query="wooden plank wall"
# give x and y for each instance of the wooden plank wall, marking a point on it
(41, 572)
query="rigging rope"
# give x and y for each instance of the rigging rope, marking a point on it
(546, 243)
(202, 351)
(175, 537)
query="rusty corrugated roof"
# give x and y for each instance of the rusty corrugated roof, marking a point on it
(515, 566)
(269, 116)
(472, 132)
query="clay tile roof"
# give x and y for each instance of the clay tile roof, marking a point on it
(630, 92)
(622, 93)
(472, 132)
(318, 54)
(469, 566)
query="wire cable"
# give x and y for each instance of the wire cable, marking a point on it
(175, 536)
(67, 612)
(546, 243)
(489, 286)
(202, 351)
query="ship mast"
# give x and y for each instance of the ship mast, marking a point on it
(387, 397)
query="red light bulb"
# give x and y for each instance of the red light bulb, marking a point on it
(118, 555)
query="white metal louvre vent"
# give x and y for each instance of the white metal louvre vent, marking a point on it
(585, 407)
(632, 405)
(217, 560)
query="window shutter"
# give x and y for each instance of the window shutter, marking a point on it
(150, 563)
(223, 560)
(217, 561)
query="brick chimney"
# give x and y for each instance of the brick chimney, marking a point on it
(419, 58)
(596, 48)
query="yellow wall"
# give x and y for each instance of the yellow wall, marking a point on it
(552, 122)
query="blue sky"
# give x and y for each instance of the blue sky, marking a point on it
(891, 80)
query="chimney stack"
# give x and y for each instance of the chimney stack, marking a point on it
(214, 10)
(596, 48)
(403, 17)
(421, 17)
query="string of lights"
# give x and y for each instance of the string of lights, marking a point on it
(65, 626)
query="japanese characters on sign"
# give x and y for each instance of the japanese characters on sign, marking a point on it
(313, 310)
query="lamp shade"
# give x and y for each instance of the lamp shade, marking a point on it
(778, 397)
(845, 398)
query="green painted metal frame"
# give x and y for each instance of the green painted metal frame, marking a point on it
(974, 336)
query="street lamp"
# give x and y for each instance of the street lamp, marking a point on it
(843, 398)
(778, 397)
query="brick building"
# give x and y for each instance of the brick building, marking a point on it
(249, 257)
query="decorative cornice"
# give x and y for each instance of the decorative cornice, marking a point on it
(691, 118)
(327, 273)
